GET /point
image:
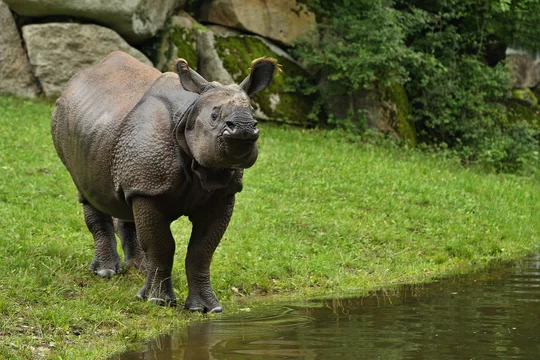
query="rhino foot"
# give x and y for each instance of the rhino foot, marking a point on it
(162, 299)
(106, 271)
(204, 302)
(163, 302)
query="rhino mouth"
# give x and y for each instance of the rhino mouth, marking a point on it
(240, 148)
(240, 153)
(245, 135)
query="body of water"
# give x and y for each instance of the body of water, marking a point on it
(489, 315)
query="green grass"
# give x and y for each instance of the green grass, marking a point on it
(319, 215)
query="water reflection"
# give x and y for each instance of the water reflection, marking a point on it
(493, 315)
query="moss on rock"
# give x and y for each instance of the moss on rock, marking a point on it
(522, 113)
(403, 124)
(536, 91)
(525, 94)
(184, 40)
(281, 101)
(178, 39)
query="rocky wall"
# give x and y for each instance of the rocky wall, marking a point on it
(55, 39)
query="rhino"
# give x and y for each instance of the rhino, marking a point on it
(145, 148)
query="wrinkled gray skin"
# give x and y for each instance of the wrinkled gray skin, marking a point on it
(146, 148)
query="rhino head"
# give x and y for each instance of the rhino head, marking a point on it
(219, 130)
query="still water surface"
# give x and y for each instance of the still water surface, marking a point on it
(490, 315)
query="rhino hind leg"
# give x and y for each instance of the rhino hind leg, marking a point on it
(133, 254)
(106, 261)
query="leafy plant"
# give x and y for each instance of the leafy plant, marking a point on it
(360, 42)
(449, 56)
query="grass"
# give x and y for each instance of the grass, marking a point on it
(319, 215)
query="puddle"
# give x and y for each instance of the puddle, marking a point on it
(489, 315)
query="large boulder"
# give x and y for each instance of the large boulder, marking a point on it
(226, 58)
(211, 63)
(284, 21)
(401, 122)
(179, 41)
(525, 96)
(16, 76)
(525, 71)
(59, 50)
(385, 110)
(536, 92)
(135, 20)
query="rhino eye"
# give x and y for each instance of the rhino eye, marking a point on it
(215, 113)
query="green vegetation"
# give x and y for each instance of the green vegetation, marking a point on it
(321, 213)
(449, 56)
(396, 95)
(525, 95)
(184, 40)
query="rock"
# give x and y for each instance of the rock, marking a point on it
(211, 64)
(228, 58)
(136, 20)
(526, 96)
(396, 98)
(59, 50)
(223, 30)
(525, 71)
(179, 41)
(284, 21)
(387, 111)
(522, 112)
(16, 76)
(536, 92)
(536, 74)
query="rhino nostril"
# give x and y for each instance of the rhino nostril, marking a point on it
(230, 125)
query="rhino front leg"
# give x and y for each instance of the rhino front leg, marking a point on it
(133, 254)
(106, 261)
(209, 225)
(156, 240)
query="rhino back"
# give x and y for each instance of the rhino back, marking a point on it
(87, 118)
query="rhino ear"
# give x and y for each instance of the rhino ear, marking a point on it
(189, 78)
(262, 72)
